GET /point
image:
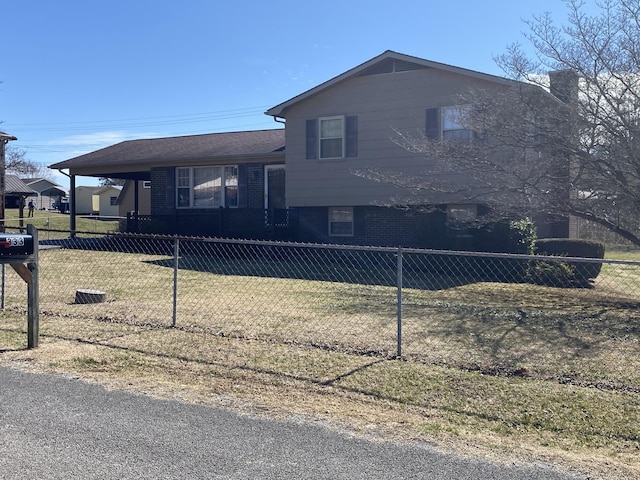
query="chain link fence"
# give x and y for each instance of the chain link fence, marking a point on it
(421, 304)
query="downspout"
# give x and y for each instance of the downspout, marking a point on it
(283, 121)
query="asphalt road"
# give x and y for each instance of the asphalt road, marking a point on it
(53, 427)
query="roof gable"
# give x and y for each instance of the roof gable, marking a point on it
(388, 62)
(107, 188)
(43, 185)
(38, 180)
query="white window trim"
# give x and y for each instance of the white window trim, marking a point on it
(343, 137)
(191, 186)
(266, 181)
(330, 222)
(461, 214)
(443, 118)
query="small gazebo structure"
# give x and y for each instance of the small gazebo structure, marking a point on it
(15, 191)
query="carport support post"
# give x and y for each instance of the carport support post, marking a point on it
(72, 206)
(33, 293)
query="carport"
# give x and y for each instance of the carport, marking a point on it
(130, 160)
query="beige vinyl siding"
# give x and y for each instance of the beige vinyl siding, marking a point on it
(84, 200)
(127, 201)
(382, 103)
(102, 204)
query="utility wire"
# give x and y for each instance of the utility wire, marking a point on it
(180, 119)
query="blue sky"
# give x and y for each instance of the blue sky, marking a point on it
(79, 75)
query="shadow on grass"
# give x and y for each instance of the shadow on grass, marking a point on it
(514, 419)
(366, 267)
(427, 270)
(188, 359)
(379, 275)
(537, 342)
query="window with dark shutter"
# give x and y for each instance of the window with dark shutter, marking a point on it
(331, 137)
(206, 186)
(455, 122)
(432, 124)
(312, 139)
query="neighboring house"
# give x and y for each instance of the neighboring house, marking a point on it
(127, 198)
(49, 193)
(245, 184)
(105, 201)
(16, 189)
(84, 200)
(101, 201)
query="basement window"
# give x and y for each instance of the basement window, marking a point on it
(341, 221)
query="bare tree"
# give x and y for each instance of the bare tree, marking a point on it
(107, 182)
(574, 152)
(515, 157)
(17, 163)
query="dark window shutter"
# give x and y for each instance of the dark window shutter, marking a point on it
(243, 185)
(170, 188)
(312, 139)
(432, 125)
(351, 137)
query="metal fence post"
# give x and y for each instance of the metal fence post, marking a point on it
(176, 255)
(399, 301)
(3, 287)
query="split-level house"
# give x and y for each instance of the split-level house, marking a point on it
(305, 182)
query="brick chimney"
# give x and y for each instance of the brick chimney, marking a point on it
(563, 84)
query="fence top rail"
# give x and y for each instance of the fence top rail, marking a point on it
(392, 250)
(102, 217)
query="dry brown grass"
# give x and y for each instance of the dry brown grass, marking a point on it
(508, 372)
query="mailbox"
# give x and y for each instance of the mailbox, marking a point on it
(15, 245)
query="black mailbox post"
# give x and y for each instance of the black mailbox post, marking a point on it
(14, 246)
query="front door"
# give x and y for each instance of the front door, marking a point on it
(274, 201)
(274, 187)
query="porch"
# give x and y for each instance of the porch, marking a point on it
(246, 223)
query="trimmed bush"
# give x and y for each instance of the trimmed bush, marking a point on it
(583, 273)
(517, 236)
(551, 274)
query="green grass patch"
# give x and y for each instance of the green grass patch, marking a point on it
(54, 225)
(510, 367)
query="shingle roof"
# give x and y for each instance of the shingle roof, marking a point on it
(7, 136)
(175, 149)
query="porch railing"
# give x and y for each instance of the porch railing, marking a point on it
(271, 224)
